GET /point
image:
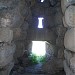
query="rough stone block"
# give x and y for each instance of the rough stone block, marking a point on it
(67, 69)
(60, 41)
(61, 31)
(69, 16)
(66, 3)
(7, 69)
(61, 53)
(19, 34)
(6, 54)
(69, 39)
(6, 35)
(72, 64)
(68, 55)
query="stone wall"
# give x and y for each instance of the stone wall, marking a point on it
(18, 26)
(69, 39)
(14, 16)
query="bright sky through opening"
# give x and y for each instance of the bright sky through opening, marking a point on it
(39, 48)
(42, 0)
(40, 25)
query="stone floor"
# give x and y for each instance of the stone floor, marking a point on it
(32, 70)
(59, 73)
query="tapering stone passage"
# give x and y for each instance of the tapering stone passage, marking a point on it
(52, 26)
(68, 9)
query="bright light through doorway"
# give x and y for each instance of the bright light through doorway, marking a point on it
(39, 48)
(40, 24)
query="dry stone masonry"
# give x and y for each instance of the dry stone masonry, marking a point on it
(68, 9)
(65, 4)
(7, 49)
(14, 15)
(18, 27)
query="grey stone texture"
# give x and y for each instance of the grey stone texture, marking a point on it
(18, 24)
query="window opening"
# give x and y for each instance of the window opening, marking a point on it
(40, 22)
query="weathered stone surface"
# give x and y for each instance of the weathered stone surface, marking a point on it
(14, 17)
(64, 23)
(72, 64)
(5, 61)
(66, 3)
(6, 54)
(8, 4)
(53, 2)
(5, 22)
(51, 51)
(53, 66)
(61, 53)
(68, 55)
(8, 48)
(20, 47)
(6, 35)
(69, 39)
(11, 18)
(25, 26)
(57, 16)
(60, 41)
(7, 69)
(19, 34)
(67, 69)
(69, 16)
(61, 31)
